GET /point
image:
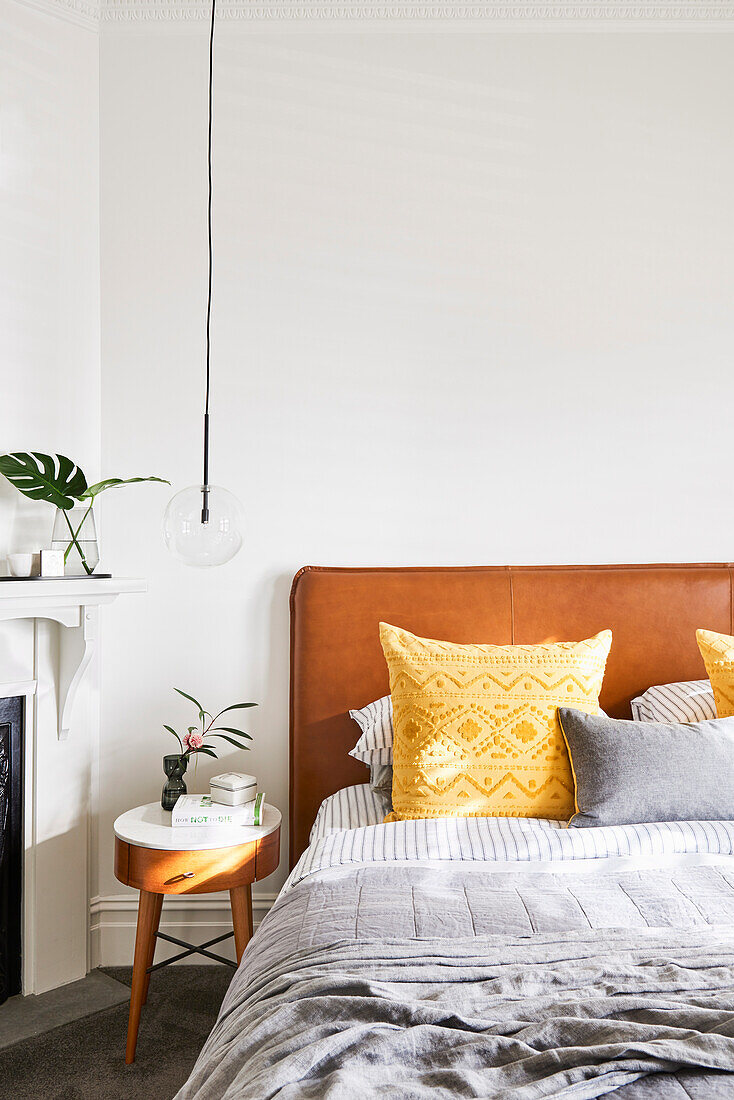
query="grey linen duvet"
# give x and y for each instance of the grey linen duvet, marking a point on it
(400, 981)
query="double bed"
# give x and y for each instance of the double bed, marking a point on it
(483, 957)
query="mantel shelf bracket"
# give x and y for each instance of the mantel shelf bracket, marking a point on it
(77, 650)
(77, 644)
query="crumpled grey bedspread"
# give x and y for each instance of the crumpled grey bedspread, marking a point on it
(395, 982)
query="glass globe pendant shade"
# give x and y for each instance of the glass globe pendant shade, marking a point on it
(203, 532)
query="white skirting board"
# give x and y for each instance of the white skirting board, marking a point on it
(196, 918)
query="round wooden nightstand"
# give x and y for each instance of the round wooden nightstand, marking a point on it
(157, 859)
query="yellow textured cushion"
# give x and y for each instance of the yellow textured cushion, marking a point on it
(717, 651)
(475, 726)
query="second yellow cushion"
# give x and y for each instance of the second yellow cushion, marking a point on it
(717, 651)
(475, 726)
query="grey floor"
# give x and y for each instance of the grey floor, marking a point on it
(25, 1017)
(84, 1058)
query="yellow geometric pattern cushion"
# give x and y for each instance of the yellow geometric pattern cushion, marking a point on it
(717, 651)
(475, 726)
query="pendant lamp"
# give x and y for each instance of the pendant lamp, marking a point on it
(203, 524)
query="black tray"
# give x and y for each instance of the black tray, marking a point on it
(79, 577)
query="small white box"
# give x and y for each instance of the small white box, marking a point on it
(233, 788)
(52, 563)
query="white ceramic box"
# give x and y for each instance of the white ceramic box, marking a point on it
(233, 788)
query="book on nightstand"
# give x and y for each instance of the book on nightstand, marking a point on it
(198, 809)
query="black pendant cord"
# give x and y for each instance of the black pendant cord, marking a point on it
(205, 487)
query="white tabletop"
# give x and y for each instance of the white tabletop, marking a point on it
(150, 827)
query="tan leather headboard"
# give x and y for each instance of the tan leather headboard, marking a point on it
(337, 662)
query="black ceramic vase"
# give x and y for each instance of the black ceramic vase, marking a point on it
(175, 768)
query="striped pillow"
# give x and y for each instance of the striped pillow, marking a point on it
(375, 722)
(689, 702)
(350, 808)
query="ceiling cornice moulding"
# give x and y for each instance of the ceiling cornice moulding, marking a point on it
(84, 13)
(500, 14)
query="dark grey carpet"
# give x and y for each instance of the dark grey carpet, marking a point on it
(85, 1060)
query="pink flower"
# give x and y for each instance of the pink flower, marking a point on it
(193, 741)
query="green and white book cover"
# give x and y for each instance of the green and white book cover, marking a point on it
(198, 809)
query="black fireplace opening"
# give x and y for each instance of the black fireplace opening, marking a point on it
(11, 844)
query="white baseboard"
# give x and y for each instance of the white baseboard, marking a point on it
(195, 918)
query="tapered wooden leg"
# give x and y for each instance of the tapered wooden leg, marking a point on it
(148, 908)
(241, 902)
(153, 930)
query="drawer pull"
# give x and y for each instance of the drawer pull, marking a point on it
(177, 878)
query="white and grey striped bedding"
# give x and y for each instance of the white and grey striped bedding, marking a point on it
(692, 701)
(349, 808)
(375, 722)
(509, 840)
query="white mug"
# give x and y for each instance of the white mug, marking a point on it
(20, 565)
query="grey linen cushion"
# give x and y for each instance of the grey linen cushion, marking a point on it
(630, 772)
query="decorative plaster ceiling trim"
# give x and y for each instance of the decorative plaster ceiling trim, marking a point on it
(504, 14)
(663, 14)
(84, 13)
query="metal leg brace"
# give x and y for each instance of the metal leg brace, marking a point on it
(192, 949)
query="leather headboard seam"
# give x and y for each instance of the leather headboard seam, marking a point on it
(512, 605)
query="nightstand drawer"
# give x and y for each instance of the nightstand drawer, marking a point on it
(188, 872)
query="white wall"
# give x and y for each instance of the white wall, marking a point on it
(49, 253)
(50, 371)
(472, 305)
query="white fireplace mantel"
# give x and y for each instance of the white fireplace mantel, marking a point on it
(49, 633)
(74, 604)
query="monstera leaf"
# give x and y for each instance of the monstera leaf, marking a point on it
(55, 479)
(114, 483)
